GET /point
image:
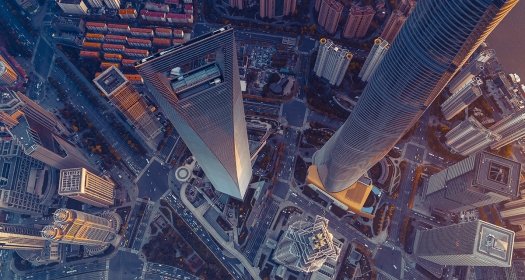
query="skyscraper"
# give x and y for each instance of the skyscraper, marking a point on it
(318, 5)
(475, 243)
(126, 98)
(460, 100)
(329, 15)
(407, 6)
(197, 86)
(393, 25)
(376, 55)
(75, 227)
(332, 62)
(479, 180)
(276, 8)
(23, 188)
(511, 128)
(37, 131)
(18, 237)
(8, 76)
(30, 6)
(95, 3)
(470, 136)
(239, 4)
(513, 212)
(405, 84)
(112, 4)
(359, 19)
(470, 71)
(305, 246)
(82, 185)
(75, 7)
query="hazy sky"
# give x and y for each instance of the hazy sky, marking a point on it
(508, 39)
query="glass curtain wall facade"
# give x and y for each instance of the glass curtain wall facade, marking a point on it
(437, 39)
(197, 86)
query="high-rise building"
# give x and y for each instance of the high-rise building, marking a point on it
(511, 128)
(95, 3)
(513, 212)
(34, 111)
(127, 99)
(479, 180)
(460, 100)
(289, 7)
(276, 8)
(332, 61)
(470, 136)
(475, 243)
(393, 25)
(239, 4)
(405, 84)
(30, 6)
(75, 7)
(470, 71)
(112, 4)
(8, 75)
(38, 132)
(197, 86)
(407, 6)
(376, 55)
(359, 19)
(361, 198)
(318, 5)
(75, 227)
(23, 187)
(18, 237)
(51, 253)
(305, 246)
(82, 185)
(329, 15)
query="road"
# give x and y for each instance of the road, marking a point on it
(155, 271)
(125, 266)
(195, 223)
(258, 234)
(291, 140)
(134, 161)
(86, 269)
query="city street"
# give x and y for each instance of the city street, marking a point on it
(153, 182)
(204, 236)
(294, 113)
(125, 266)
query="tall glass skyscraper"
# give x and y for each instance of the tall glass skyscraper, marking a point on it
(437, 39)
(197, 86)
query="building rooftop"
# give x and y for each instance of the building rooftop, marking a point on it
(70, 1)
(8, 100)
(3, 69)
(70, 180)
(200, 79)
(185, 44)
(497, 174)
(110, 80)
(495, 242)
(361, 198)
